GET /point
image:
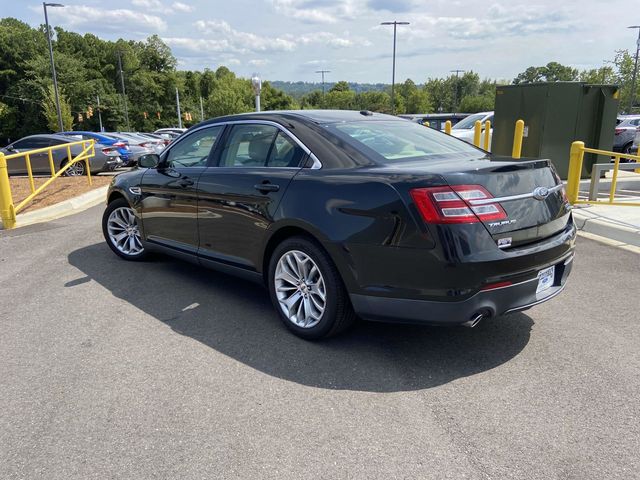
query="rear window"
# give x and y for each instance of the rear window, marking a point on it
(402, 140)
(469, 122)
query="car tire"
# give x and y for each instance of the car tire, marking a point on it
(307, 291)
(120, 230)
(78, 169)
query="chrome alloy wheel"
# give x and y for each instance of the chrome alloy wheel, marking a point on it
(124, 234)
(300, 289)
(76, 170)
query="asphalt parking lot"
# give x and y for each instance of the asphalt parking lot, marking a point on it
(161, 369)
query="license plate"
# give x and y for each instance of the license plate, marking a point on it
(545, 279)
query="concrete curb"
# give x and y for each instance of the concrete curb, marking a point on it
(606, 227)
(62, 209)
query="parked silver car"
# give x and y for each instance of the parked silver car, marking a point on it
(135, 150)
(106, 158)
(625, 132)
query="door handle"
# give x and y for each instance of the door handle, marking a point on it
(185, 183)
(267, 187)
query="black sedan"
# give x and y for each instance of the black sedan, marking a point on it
(343, 214)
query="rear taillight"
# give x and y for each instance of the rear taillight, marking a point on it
(453, 204)
(619, 131)
(144, 144)
(119, 144)
(107, 150)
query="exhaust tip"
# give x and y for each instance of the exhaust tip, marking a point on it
(475, 320)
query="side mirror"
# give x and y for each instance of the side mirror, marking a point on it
(151, 160)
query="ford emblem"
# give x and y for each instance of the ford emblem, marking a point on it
(540, 193)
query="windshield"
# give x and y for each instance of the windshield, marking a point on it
(469, 122)
(394, 140)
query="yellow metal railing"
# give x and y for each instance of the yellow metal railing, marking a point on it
(576, 158)
(8, 210)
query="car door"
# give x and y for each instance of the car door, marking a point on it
(238, 197)
(169, 192)
(39, 161)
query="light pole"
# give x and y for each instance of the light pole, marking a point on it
(323, 72)
(178, 109)
(256, 83)
(635, 71)
(455, 90)
(53, 65)
(124, 93)
(393, 73)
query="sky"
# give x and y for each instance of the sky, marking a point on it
(292, 39)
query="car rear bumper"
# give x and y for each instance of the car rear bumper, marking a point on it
(488, 303)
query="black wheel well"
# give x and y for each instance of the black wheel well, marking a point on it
(114, 196)
(277, 238)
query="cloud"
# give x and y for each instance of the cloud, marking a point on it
(319, 11)
(181, 7)
(499, 22)
(221, 36)
(149, 4)
(259, 62)
(400, 6)
(119, 19)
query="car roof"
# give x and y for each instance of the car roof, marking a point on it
(47, 135)
(320, 117)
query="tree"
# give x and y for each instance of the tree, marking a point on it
(551, 72)
(51, 113)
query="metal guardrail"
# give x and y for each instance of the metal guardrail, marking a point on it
(576, 158)
(8, 210)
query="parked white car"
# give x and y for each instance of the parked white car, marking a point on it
(464, 128)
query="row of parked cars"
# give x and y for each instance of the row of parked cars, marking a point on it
(627, 134)
(112, 150)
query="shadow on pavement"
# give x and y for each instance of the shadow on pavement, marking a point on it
(236, 318)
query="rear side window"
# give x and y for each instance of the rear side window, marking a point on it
(395, 140)
(249, 146)
(32, 143)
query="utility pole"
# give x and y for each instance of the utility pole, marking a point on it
(99, 114)
(455, 90)
(635, 71)
(393, 73)
(201, 111)
(124, 93)
(178, 108)
(53, 65)
(323, 72)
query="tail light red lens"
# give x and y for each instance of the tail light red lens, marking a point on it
(619, 131)
(119, 144)
(452, 204)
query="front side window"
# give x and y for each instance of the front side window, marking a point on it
(394, 140)
(194, 149)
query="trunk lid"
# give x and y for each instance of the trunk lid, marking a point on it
(530, 193)
(529, 218)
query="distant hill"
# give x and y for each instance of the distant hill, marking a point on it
(298, 89)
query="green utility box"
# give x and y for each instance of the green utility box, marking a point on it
(555, 115)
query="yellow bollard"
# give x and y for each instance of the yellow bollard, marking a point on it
(487, 135)
(518, 135)
(477, 131)
(7, 212)
(447, 127)
(575, 168)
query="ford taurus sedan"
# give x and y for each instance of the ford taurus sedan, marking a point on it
(351, 214)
